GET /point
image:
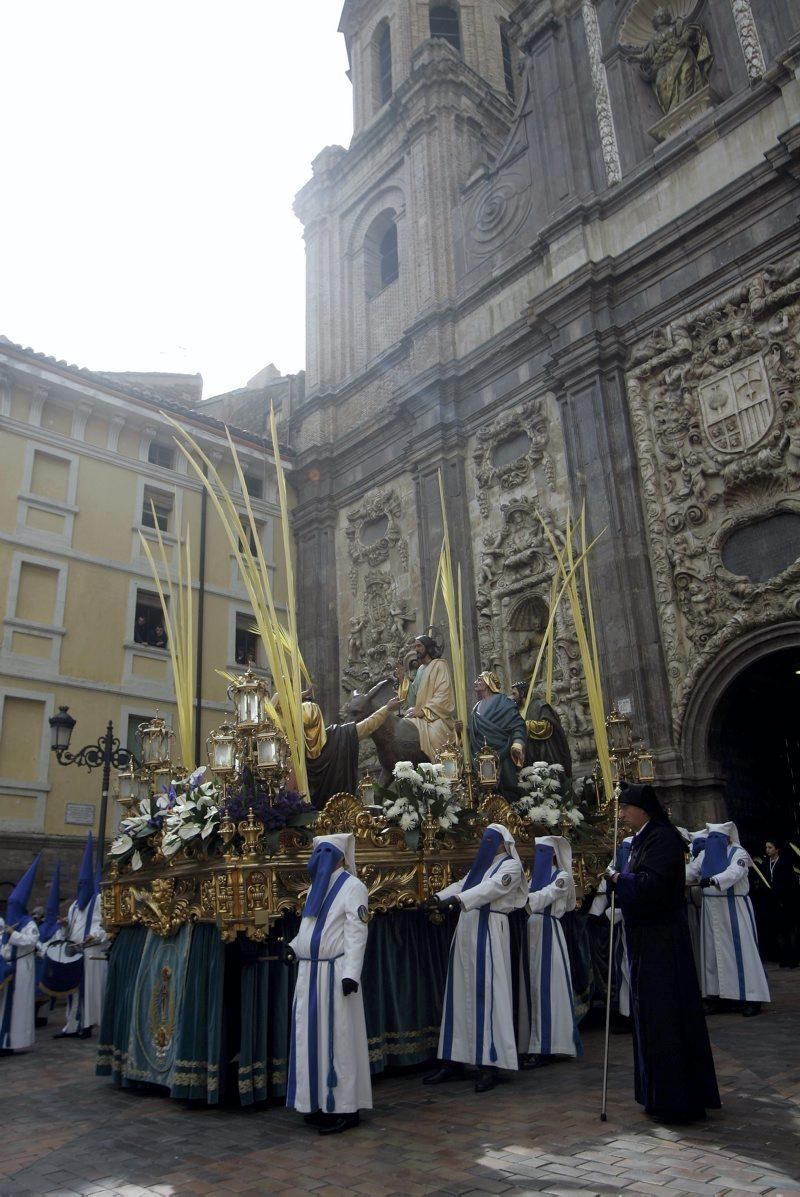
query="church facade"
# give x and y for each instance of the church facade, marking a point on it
(558, 263)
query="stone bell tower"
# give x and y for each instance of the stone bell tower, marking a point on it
(433, 95)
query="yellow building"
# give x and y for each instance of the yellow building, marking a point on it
(83, 455)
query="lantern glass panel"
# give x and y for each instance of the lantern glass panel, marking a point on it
(248, 707)
(223, 754)
(267, 751)
(127, 786)
(367, 793)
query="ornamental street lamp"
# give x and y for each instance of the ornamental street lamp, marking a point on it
(107, 752)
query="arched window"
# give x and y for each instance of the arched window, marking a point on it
(444, 23)
(381, 262)
(382, 51)
(508, 66)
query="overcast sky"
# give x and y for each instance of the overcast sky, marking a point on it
(151, 152)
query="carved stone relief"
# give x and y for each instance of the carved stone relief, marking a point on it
(525, 434)
(715, 403)
(602, 100)
(515, 477)
(376, 618)
(748, 39)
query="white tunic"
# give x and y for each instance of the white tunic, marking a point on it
(547, 1014)
(478, 1016)
(85, 1008)
(730, 964)
(17, 997)
(328, 1056)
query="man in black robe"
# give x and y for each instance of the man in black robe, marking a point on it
(674, 1069)
(332, 752)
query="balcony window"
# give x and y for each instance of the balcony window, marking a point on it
(148, 623)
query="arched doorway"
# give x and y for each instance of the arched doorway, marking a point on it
(754, 737)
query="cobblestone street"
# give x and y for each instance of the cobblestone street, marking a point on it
(66, 1132)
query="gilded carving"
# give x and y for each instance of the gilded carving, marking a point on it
(715, 407)
(163, 907)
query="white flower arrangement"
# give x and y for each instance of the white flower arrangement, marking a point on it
(543, 800)
(419, 791)
(187, 810)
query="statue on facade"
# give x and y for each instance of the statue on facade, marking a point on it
(676, 61)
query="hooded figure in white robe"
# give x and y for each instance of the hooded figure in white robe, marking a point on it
(547, 1024)
(601, 904)
(329, 1077)
(19, 936)
(85, 935)
(731, 967)
(477, 1020)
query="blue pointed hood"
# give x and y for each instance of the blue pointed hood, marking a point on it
(715, 854)
(49, 926)
(322, 864)
(86, 877)
(17, 915)
(491, 842)
(543, 860)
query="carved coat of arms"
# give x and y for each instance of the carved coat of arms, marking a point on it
(737, 407)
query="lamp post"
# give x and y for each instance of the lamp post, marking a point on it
(107, 752)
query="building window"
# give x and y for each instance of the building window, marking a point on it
(148, 623)
(383, 63)
(508, 66)
(247, 540)
(388, 254)
(247, 640)
(161, 455)
(444, 24)
(156, 509)
(254, 485)
(381, 260)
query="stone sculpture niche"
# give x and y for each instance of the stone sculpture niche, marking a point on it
(674, 56)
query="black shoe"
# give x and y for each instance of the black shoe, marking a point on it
(315, 1119)
(750, 1009)
(339, 1123)
(86, 1033)
(447, 1072)
(66, 1035)
(487, 1079)
(538, 1061)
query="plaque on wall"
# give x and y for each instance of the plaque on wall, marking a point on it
(80, 813)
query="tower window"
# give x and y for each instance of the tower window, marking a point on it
(444, 24)
(381, 259)
(390, 267)
(383, 63)
(508, 67)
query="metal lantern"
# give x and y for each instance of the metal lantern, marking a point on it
(61, 726)
(267, 749)
(143, 788)
(451, 764)
(619, 731)
(645, 765)
(366, 790)
(247, 693)
(487, 766)
(221, 747)
(128, 784)
(155, 737)
(161, 779)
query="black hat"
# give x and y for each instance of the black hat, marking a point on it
(643, 797)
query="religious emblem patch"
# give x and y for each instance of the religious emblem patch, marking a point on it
(507, 879)
(561, 883)
(363, 914)
(742, 863)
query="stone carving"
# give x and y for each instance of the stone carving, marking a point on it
(676, 59)
(602, 102)
(528, 425)
(498, 210)
(748, 39)
(715, 405)
(372, 531)
(377, 633)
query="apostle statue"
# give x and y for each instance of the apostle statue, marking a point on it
(676, 61)
(332, 751)
(547, 740)
(430, 697)
(495, 720)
